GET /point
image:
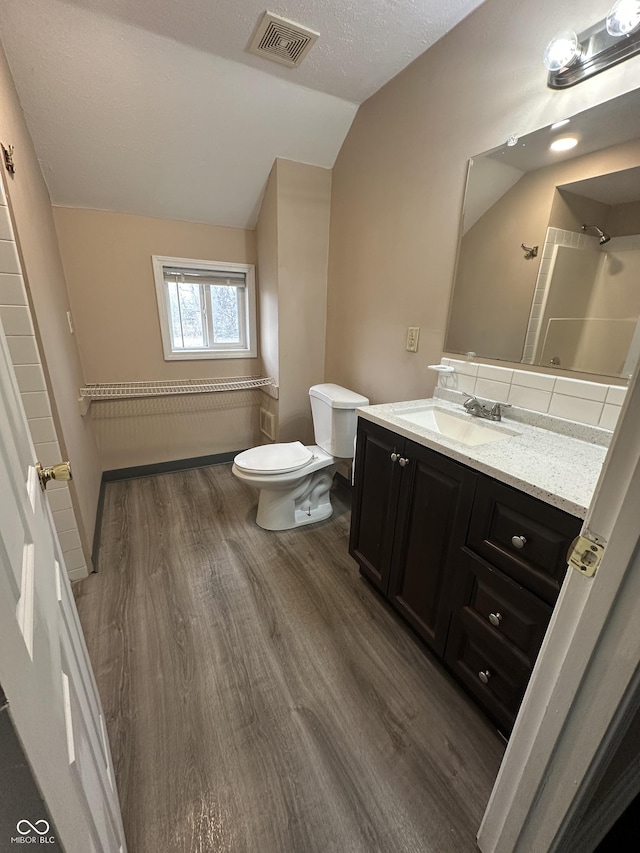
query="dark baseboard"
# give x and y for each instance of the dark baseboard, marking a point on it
(168, 467)
(148, 471)
(97, 530)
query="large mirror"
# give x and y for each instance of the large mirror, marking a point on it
(548, 268)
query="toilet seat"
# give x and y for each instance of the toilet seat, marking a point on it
(274, 458)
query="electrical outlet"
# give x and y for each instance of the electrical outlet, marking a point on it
(413, 333)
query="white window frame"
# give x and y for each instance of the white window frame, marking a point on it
(249, 347)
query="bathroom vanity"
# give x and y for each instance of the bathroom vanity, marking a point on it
(468, 541)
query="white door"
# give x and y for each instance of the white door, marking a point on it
(44, 668)
(585, 687)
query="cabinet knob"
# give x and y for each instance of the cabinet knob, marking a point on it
(518, 541)
(403, 461)
(484, 676)
(495, 619)
(395, 456)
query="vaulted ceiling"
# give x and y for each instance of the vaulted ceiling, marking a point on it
(155, 107)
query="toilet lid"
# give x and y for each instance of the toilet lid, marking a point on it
(274, 458)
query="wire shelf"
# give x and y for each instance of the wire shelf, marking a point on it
(170, 387)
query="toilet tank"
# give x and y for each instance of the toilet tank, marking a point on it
(334, 417)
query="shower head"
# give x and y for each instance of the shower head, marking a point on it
(604, 238)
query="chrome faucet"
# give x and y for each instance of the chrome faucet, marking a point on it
(480, 410)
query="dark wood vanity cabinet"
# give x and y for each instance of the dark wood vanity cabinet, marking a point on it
(410, 517)
(473, 565)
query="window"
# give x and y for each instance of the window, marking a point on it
(207, 309)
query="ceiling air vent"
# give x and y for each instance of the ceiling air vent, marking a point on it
(282, 41)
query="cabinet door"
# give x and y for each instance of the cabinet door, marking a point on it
(377, 480)
(434, 506)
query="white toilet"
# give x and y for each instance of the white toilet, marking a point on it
(295, 480)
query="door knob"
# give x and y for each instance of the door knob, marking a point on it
(518, 541)
(495, 619)
(395, 456)
(61, 471)
(484, 676)
(403, 462)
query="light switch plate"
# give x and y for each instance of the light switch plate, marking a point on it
(413, 333)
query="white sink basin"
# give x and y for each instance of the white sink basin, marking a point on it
(459, 427)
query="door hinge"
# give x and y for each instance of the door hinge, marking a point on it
(585, 554)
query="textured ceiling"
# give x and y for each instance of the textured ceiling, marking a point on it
(155, 107)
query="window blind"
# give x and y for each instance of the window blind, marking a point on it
(192, 276)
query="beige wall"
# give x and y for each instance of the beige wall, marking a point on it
(304, 202)
(293, 246)
(107, 262)
(49, 301)
(570, 212)
(624, 219)
(398, 183)
(267, 251)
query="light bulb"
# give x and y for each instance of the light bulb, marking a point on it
(624, 18)
(562, 51)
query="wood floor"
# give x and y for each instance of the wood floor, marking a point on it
(260, 697)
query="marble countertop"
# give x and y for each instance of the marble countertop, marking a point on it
(557, 468)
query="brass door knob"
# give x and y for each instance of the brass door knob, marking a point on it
(61, 471)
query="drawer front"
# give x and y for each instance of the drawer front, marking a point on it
(503, 606)
(524, 537)
(488, 666)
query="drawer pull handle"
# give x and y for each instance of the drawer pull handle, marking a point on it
(495, 619)
(484, 676)
(403, 461)
(518, 541)
(395, 456)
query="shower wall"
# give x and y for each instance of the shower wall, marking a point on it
(589, 303)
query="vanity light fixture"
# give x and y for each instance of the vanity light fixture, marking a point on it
(571, 58)
(562, 51)
(624, 18)
(564, 143)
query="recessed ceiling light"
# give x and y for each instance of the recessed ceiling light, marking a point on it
(560, 123)
(564, 143)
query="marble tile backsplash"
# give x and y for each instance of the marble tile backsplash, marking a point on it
(591, 403)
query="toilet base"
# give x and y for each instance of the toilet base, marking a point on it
(308, 503)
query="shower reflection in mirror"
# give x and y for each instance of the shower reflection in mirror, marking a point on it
(576, 305)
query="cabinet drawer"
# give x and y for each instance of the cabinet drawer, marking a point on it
(474, 652)
(503, 606)
(524, 537)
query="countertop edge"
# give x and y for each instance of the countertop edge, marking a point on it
(444, 446)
